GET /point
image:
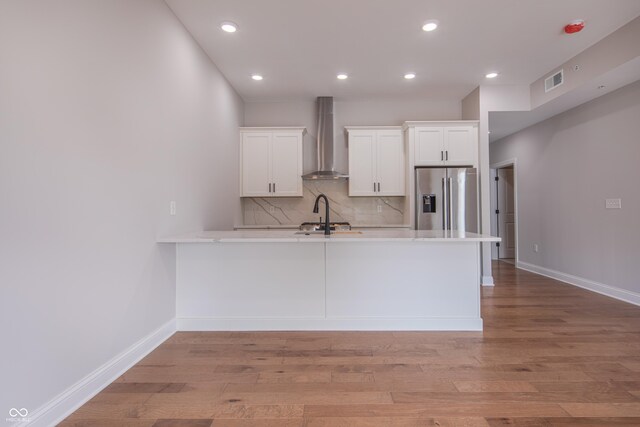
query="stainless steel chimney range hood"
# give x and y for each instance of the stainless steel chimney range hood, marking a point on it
(325, 142)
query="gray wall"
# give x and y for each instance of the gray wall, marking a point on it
(375, 112)
(566, 167)
(108, 110)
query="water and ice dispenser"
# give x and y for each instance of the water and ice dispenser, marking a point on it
(428, 203)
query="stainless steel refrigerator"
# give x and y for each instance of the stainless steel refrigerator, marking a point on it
(447, 199)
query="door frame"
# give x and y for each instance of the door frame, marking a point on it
(494, 205)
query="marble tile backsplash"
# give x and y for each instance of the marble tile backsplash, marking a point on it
(296, 210)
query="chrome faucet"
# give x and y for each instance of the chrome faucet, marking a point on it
(327, 223)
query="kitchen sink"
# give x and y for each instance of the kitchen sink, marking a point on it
(318, 232)
(319, 226)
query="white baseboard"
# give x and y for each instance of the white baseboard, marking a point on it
(487, 281)
(75, 396)
(328, 324)
(601, 288)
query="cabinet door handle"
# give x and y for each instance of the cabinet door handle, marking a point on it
(378, 187)
(269, 187)
(274, 187)
(441, 155)
(447, 157)
(374, 187)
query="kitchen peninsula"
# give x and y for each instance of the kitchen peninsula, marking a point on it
(386, 279)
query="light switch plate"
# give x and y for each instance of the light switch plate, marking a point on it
(613, 203)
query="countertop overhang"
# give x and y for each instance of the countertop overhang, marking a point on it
(290, 236)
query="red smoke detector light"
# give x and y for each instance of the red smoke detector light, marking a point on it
(574, 27)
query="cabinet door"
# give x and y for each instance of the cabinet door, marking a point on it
(429, 146)
(255, 164)
(362, 159)
(459, 146)
(390, 170)
(286, 163)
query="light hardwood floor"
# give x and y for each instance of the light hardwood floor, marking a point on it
(550, 355)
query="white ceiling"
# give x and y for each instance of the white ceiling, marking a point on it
(300, 45)
(505, 123)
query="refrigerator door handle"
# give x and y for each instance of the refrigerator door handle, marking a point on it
(445, 204)
(450, 207)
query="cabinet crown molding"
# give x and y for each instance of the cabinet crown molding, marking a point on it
(412, 124)
(274, 128)
(348, 128)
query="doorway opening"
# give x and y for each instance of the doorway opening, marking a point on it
(505, 219)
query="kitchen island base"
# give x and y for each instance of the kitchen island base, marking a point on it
(328, 285)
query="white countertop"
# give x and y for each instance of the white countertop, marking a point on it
(290, 236)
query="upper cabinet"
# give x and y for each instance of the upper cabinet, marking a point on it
(443, 143)
(271, 162)
(376, 161)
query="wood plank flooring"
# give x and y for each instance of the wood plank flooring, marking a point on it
(551, 355)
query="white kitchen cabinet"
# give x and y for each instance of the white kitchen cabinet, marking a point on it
(460, 144)
(390, 163)
(271, 162)
(286, 163)
(444, 145)
(255, 153)
(376, 161)
(429, 146)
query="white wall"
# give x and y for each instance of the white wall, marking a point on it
(476, 106)
(567, 166)
(493, 98)
(108, 110)
(373, 112)
(471, 105)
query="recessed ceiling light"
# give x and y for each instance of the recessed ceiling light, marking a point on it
(229, 27)
(257, 77)
(410, 76)
(342, 76)
(430, 25)
(492, 75)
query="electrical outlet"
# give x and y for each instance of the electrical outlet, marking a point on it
(613, 203)
(536, 248)
(272, 209)
(379, 208)
(172, 207)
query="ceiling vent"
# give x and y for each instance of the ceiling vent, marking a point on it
(553, 81)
